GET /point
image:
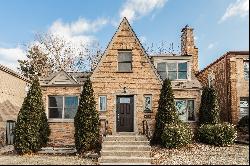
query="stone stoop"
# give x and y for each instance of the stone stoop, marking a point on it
(125, 149)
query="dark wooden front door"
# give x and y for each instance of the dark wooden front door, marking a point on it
(125, 114)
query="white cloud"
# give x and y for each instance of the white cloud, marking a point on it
(9, 56)
(134, 9)
(238, 8)
(79, 31)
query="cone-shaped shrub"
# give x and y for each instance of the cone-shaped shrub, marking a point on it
(166, 113)
(209, 112)
(32, 130)
(86, 121)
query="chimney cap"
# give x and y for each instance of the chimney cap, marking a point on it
(186, 27)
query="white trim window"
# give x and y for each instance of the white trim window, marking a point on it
(246, 70)
(147, 103)
(102, 103)
(173, 70)
(62, 107)
(185, 108)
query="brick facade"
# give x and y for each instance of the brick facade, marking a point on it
(229, 82)
(62, 130)
(141, 81)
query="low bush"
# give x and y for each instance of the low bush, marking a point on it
(243, 124)
(221, 134)
(176, 135)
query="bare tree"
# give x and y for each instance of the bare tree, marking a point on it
(50, 53)
(161, 48)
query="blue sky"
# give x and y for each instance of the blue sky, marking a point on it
(219, 25)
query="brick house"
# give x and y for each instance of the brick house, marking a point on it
(61, 93)
(126, 84)
(229, 75)
(13, 89)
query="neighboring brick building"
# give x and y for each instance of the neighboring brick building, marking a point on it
(230, 77)
(13, 89)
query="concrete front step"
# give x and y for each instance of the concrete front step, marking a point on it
(126, 143)
(126, 147)
(125, 138)
(116, 159)
(125, 153)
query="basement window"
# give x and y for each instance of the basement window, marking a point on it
(124, 61)
(62, 107)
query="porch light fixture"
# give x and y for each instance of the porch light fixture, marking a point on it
(124, 90)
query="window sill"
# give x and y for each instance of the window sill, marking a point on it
(60, 120)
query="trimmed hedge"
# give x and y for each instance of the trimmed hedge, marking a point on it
(166, 113)
(176, 135)
(221, 134)
(209, 112)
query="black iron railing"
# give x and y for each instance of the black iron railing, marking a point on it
(146, 129)
(106, 128)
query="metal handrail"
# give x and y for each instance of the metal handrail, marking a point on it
(146, 130)
(106, 128)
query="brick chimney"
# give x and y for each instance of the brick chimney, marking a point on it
(188, 47)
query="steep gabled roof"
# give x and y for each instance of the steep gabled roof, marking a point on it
(124, 20)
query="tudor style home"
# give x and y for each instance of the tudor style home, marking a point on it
(230, 77)
(126, 84)
(13, 89)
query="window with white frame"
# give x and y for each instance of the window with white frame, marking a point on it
(162, 70)
(185, 108)
(62, 107)
(102, 103)
(173, 70)
(147, 103)
(246, 70)
(124, 61)
(244, 107)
